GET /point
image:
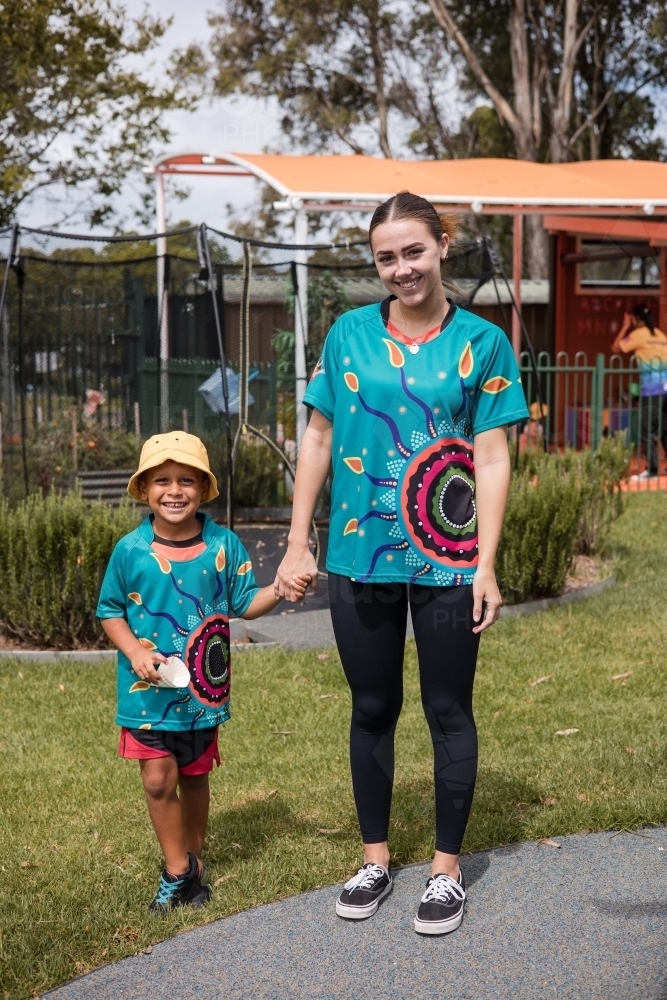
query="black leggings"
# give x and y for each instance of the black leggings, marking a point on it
(369, 622)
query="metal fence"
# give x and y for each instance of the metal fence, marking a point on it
(85, 373)
(103, 342)
(585, 401)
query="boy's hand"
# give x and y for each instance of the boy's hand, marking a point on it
(300, 585)
(143, 663)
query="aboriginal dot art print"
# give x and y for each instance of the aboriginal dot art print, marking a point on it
(403, 497)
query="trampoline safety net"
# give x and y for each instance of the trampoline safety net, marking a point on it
(106, 341)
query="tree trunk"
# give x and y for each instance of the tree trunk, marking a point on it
(523, 104)
(380, 93)
(520, 119)
(560, 122)
(537, 247)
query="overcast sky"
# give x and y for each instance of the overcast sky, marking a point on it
(235, 126)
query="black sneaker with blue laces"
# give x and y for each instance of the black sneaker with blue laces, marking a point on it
(361, 896)
(182, 890)
(441, 907)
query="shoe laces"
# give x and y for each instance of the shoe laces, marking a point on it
(365, 877)
(167, 889)
(443, 889)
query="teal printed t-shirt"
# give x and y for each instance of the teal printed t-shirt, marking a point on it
(180, 608)
(403, 495)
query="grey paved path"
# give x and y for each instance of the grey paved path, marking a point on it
(307, 630)
(586, 922)
(266, 544)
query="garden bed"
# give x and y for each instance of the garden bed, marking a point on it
(54, 550)
(586, 571)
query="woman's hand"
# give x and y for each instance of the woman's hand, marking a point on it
(486, 600)
(311, 473)
(297, 562)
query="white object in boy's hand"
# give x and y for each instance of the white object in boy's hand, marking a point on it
(173, 673)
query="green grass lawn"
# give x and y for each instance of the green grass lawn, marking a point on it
(79, 861)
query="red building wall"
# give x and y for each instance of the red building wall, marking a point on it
(588, 319)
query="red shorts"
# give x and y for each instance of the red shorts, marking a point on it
(194, 750)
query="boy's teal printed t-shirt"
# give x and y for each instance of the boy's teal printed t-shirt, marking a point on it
(403, 497)
(180, 608)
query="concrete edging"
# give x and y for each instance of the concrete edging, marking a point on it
(259, 640)
(530, 607)
(98, 656)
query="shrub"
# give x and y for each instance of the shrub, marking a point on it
(53, 553)
(601, 473)
(49, 454)
(538, 539)
(559, 506)
(257, 471)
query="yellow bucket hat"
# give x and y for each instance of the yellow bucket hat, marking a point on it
(176, 446)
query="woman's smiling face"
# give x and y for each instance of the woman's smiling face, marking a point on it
(408, 259)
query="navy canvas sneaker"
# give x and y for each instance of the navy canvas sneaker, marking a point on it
(441, 907)
(361, 895)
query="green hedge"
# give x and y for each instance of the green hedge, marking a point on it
(54, 550)
(559, 506)
(53, 553)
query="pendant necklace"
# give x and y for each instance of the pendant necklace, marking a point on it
(414, 346)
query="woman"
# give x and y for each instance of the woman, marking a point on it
(405, 393)
(639, 335)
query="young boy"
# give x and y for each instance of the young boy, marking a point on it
(169, 590)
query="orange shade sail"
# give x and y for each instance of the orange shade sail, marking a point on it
(617, 187)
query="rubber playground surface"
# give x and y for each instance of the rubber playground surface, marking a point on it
(582, 921)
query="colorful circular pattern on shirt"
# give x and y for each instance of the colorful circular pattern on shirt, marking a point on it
(436, 503)
(206, 656)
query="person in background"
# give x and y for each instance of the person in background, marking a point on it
(640, 336)
(532, 435)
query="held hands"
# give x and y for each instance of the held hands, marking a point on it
(486, 598)
(143, 663)
(297, 570)
(300, 586)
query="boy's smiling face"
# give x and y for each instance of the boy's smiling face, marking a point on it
(174, 493)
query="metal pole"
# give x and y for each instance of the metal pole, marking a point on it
(7, 374)
(517, 271)
(301, 321)
(662, 310)
(597, 402)
(498, 267)
(13, 243)
(20, 281)
(162, 301)
(205, 258)
(8, 378)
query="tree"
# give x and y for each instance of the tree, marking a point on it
(340, 69)
(543, 79)
(576, 68)
(72, 111)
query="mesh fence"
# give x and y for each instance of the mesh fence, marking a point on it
(105, 341)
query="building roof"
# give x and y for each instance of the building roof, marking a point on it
(492, 185)
(273, 289)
